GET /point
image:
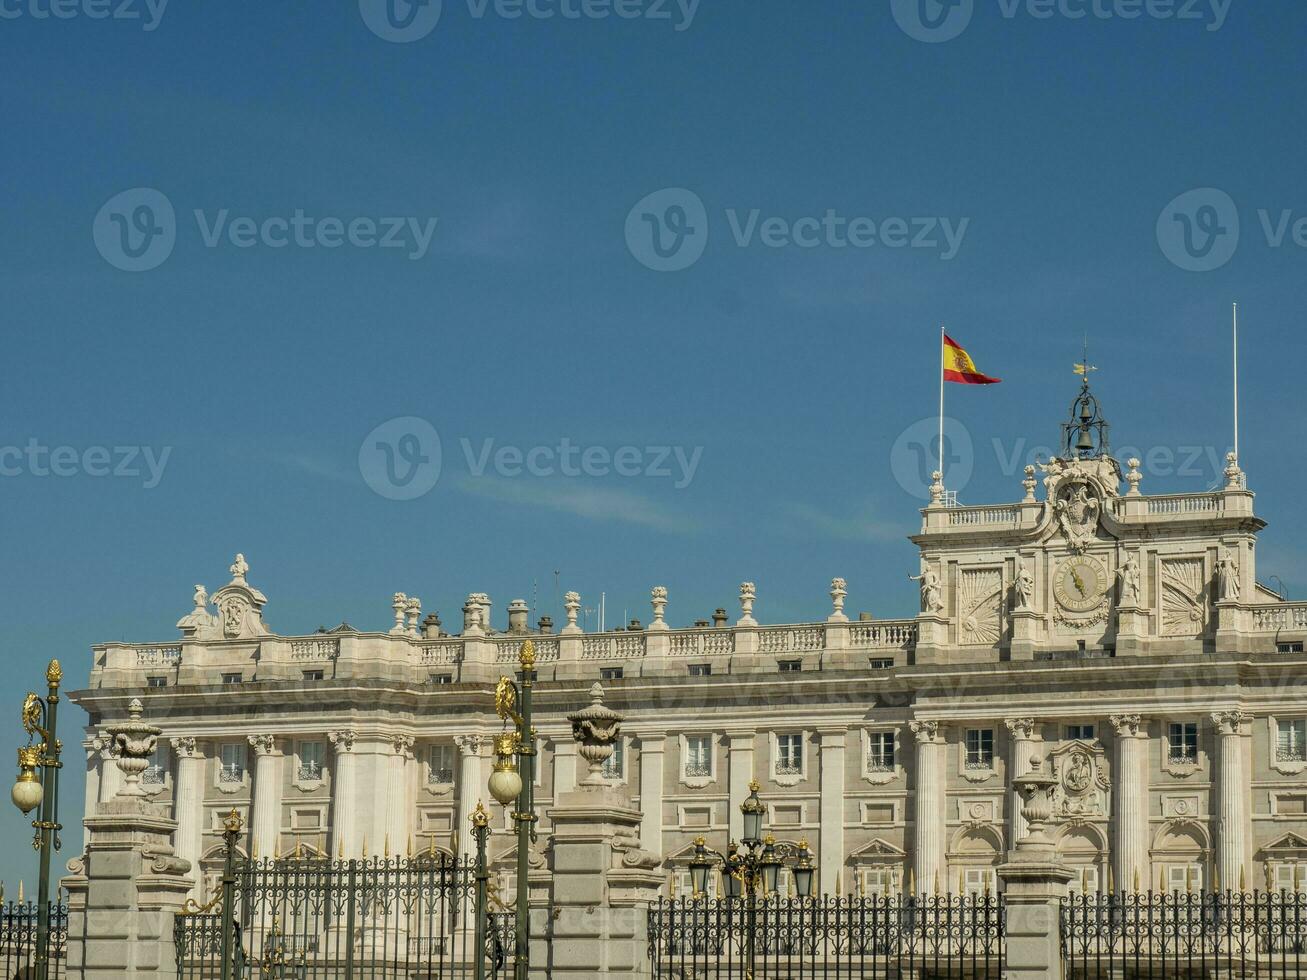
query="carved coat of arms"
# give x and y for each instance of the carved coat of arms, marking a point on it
(1077, 511)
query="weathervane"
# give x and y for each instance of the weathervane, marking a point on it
(1084, 367)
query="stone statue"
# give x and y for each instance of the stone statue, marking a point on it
(1129, 576)
(932, 595)
(199, 622)
(238, 569)
(1025, 583)
(1227, 577)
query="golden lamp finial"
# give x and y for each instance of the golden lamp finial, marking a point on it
(527, 657)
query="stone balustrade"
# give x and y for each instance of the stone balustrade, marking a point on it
(1279, 616)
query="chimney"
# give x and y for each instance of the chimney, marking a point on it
(546, 625)
(517, 616)
(634, 625)
(864, 617)
(719, 618)
(431, 626)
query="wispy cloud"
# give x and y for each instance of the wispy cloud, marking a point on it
(320, 466)
(862, 524)
(593, 501)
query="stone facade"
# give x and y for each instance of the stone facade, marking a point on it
(1121, 639)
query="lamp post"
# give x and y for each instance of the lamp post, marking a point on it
(33, 790)
(755, 867)
(513, 781)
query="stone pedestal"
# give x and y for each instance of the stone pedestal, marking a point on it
(603, 883)
(1229, 625)
(124, 893)
(1027, 633)
(1131, 629)
(1034, 885)
(932, 637)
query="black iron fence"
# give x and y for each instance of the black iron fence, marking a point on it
(371, 919)
(18, 938)
(957, 936)
(1160, 935)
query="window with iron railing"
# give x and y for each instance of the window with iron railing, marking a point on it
(153, 776)
(231, 763)
(615, 764)
(789, 754)
(1291, 741)
(440, 765)
(880, 752)
(1182, 742)
(311, 755)
(980, 748)
(698, 756)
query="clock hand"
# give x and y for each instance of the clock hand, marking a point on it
(1080, 585)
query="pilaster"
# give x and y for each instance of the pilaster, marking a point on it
(652, 755)
(344, 805)
(831, 852)
(740, 752)
(929, 870)
(1132, 866)
(1021, 732)
(188, 804)
(265, 828)
(1232, 791)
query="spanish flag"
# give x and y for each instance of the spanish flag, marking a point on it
(959, 368)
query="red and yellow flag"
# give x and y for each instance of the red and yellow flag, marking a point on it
(960, 368)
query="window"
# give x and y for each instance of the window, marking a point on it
(1184, 878)
(1085, 881)
(231, 678)
(880, 752)
(440, 765)
(232, 763)
(790, 666)
(615, 764)
(153, 775)
(878, 881)
(440, 678)
(789, 754)
(877, 663)
(698, 755)
(1182, 741)
(1289, 647)
(1288, 877)
(311, 755)
(978, 881)
(684, 884)
(700, 670)
(156, 682)
(610, 673)
(1291, 741)
(980, 748)
(313, 675)
(1082, 732)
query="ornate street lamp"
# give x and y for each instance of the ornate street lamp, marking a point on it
(757, 867)
(35, 789)
(508, 784)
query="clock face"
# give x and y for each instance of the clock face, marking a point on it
(1081, 583)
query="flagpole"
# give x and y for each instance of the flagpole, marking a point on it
(1236, 381)
(941, 404)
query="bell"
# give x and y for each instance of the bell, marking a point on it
(1086, 413)
(1086, 442)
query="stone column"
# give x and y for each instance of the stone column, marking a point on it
(472, 788)
(1232, 801)
(740, 746)
(1022, 733)
(652, 754)
(831, 846)
(344, 805)
(92, 796)
(265, 827)
(1132, 866)
(564, 766)
(399, 816)
(188, 803)
(110, 778)
(929, 870)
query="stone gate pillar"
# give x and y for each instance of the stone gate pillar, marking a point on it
(603, 881)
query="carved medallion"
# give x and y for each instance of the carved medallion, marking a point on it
(1077, 510)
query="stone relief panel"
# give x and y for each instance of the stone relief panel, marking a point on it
(1184, 597)
(980, 604)
(1082, 781)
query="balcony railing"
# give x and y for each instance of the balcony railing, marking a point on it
(977, 516)
(791, 639)
(158, 656)
(153, 776)
(702, 643)
(1281, 616)
(309, 772)
(230, 774)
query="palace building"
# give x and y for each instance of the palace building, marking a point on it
(1119, 640)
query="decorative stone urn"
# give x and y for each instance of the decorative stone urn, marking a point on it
(1036, 790)
(133, 744)
(596, 727)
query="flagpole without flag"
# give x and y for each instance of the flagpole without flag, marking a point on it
(941, 404)
(1235, 314)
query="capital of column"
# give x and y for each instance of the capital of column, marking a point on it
(185, 748)
(403, 745)
(925, 730)
(652, 741)
(1230, 723)
(1022, 728)
(264, 744)
(103, 744)
(471, 745)
(343, 740)
(1129, 726)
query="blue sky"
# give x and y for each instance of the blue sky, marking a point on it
(785, 361)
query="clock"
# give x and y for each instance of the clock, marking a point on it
(1081, 583)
